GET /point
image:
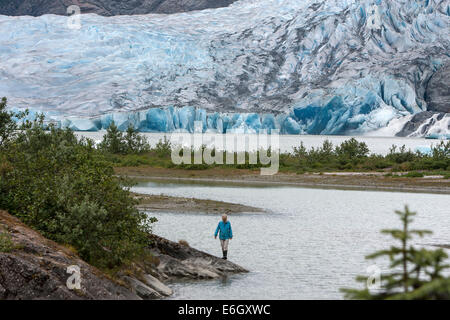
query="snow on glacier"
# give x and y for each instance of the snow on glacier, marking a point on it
(310, 67)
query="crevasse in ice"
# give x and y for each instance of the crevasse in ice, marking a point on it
(311, 67)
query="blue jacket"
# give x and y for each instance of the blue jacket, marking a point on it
(225, 230)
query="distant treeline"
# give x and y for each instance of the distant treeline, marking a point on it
(132, 149)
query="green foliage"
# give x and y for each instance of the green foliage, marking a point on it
(414, 174)
(134, 142)
(441, 151)
(352, 149)
(113, 141)
(415, 273)
(116, 142)
(400, 155)
(7, 125)
(163, 148)
(65, 188)
(346, 156)
(6, 244)
(352, 155)
(300, 152)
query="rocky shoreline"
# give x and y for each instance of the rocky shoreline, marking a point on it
(36, 268)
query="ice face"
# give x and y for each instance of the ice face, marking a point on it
(82, 124)
(320, 67)
(157, 121)
(331, 119)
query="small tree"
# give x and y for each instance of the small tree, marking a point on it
(323, 154)
(441, 151)
(412, 270)
(134, 142)
(400, 155)
(7, 124)
(113, 140)
(352, 149)
(163, 148)
(300, 152)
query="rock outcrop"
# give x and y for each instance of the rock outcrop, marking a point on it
(36, 268)
(437, 94)
(178, 261)
(425, 124)
(106, 8)
(33, 267)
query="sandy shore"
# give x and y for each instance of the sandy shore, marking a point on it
(162, 203)
(350, 180)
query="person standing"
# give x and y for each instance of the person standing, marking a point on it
(226, 234)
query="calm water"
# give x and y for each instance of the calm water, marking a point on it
(310, 243)
(379, 145)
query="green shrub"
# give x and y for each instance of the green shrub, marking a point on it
(116, 142)
(8, 126)
(113, 141)
(88, 227)
(414, 174)
(67, 190)
(352, 149)
(400, 155)
(441, 151)
(134, 142)
(6, 244)
(133, 160)
(300, 152)
(163, 148)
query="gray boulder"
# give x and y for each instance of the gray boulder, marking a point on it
(437, 94)
(141, 289)
(157, 285)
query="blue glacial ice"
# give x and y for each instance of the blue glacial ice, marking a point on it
(302, 67)
(178, 120)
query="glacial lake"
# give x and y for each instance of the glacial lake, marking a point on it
(378, 145)
(308, 243)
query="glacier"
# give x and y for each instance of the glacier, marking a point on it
(302, 67)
